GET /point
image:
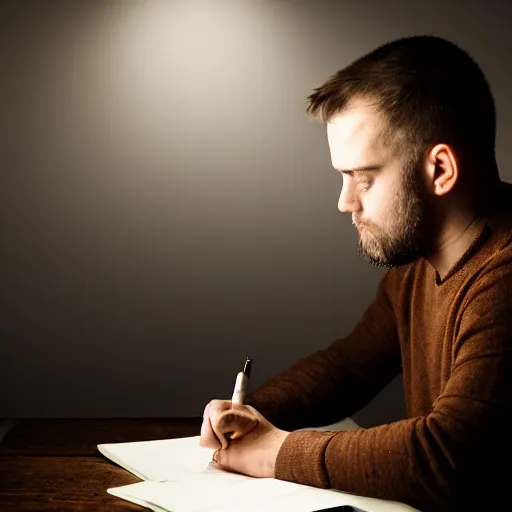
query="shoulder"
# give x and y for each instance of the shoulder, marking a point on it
(486, 304)
(494, 282)
(494, 272)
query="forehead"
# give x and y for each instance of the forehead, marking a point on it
(356, 136)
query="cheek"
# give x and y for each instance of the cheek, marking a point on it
(381, 202)
(375, 202)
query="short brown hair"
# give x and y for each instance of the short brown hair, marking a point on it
(429, 90)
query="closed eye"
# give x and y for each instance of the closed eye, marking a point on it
(360, 170)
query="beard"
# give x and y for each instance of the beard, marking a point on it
(403, 239)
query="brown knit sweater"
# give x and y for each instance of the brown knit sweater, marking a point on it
(453, 341)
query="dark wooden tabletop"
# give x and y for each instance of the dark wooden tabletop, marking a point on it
(55, 466)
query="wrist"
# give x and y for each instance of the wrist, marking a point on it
(280, 437)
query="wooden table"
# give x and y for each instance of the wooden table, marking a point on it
(54, 465)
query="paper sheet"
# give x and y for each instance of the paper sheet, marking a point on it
(250, 495)
(161, 460)
(179, 477)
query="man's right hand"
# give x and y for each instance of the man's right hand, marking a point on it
(223, 420)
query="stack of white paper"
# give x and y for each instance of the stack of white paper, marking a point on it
(177, 476)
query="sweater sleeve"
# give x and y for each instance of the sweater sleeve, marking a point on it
(442, 461)
(333, 383)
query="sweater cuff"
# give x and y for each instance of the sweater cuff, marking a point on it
(301, 458)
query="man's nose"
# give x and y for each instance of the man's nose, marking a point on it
(348, 201)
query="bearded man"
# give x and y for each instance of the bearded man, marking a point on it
(411, 127)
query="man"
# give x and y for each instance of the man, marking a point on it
(411, 127)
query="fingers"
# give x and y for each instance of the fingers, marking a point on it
(223, 459)
(223, 421)
(211, 435)
(208, 438)
(232, 459)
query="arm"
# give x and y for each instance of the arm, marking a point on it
(360, 365)
(437, 461)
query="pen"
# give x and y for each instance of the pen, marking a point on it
(242, 383)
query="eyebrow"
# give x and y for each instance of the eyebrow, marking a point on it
(365, 168)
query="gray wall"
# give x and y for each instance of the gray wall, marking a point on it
(166, 208)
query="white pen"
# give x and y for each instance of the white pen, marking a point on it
(242, 383)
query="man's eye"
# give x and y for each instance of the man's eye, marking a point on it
(365, 185)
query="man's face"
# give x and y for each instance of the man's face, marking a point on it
(380, 187)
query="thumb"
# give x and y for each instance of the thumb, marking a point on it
(238, 422)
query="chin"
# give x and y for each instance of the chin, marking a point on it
(378, 256)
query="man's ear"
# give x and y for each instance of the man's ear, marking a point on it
(442, 169)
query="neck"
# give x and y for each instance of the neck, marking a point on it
(456, 236)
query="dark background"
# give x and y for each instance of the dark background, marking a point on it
(166, 208)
